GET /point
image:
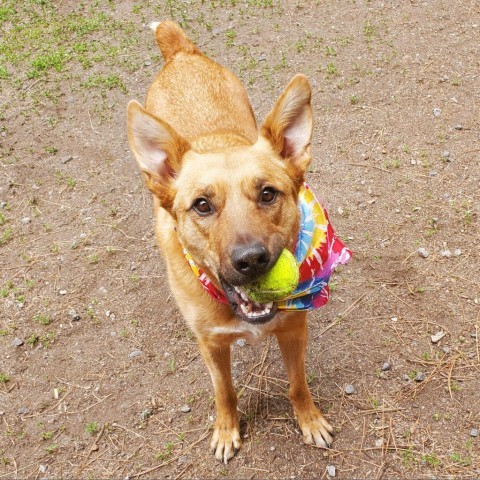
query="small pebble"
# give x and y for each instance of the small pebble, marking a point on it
(182, 459)
(420, 377)
(22, 411)
(26, 220)
(349, 389)
(272, 448)
(438, 336)
(62, 292)
(433, 173)
(147, 63)
(446, 253)
(331, 470)
(66, 159)
(17, 342)
(379, 442)
(241, 342)
(474, 432)
(145, 414)
(437, 112)
(386, 366)
(423, 252)
(135, 353)
(185, 409)
(75, 316)
(458, 127)
(457, 252)
(42, 468)
(445, 154)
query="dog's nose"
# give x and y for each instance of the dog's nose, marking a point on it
(250, 260)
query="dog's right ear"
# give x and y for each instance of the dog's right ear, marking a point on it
(158, 150)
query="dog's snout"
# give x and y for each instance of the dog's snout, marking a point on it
(251, 260)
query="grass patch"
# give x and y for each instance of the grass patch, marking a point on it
(91, 428)
(105, 82)
(6, 236)
(42, 319)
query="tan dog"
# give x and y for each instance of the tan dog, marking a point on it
(227, 193)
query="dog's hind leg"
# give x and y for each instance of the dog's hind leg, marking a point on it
(226, 435)
(292, 339)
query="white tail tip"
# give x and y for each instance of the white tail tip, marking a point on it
(153, 25)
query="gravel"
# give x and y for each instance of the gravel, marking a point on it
(438, 336)
(474, 432)
(146, 414)
(74, 315)
(17, 342)
(331, 470)
(185, 409)
(349, 389)
(423, 252)
(420, 377)
(135, 353)
(386, 366)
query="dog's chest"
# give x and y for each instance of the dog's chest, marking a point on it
(253, 334)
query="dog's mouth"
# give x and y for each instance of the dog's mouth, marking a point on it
(246, 309)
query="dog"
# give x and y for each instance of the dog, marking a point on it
(226, 206)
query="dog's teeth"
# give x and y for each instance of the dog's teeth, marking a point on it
(269, 305)
(242, 294)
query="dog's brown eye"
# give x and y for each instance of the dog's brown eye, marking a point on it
(268, 195)
(202, 207)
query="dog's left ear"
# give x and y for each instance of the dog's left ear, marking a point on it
(288, 127)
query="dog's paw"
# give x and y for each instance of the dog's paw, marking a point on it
(315, 429)
(225, 442)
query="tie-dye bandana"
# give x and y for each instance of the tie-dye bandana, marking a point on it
(318, 253)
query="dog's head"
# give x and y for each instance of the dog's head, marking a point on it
(235, 206)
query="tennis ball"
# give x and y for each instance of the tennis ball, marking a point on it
(277, 283)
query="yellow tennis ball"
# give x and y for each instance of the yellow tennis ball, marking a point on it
(279, 282)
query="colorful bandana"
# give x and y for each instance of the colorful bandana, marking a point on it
(318, 253)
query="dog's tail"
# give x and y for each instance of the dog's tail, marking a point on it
(172, 39)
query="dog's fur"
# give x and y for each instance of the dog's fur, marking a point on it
(222, 189)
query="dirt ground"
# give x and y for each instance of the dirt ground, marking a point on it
(99, 376)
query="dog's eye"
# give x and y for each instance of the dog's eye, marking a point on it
(202, 207)
(268, 195)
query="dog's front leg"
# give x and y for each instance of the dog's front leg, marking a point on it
(226, 434)
(292, 340)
